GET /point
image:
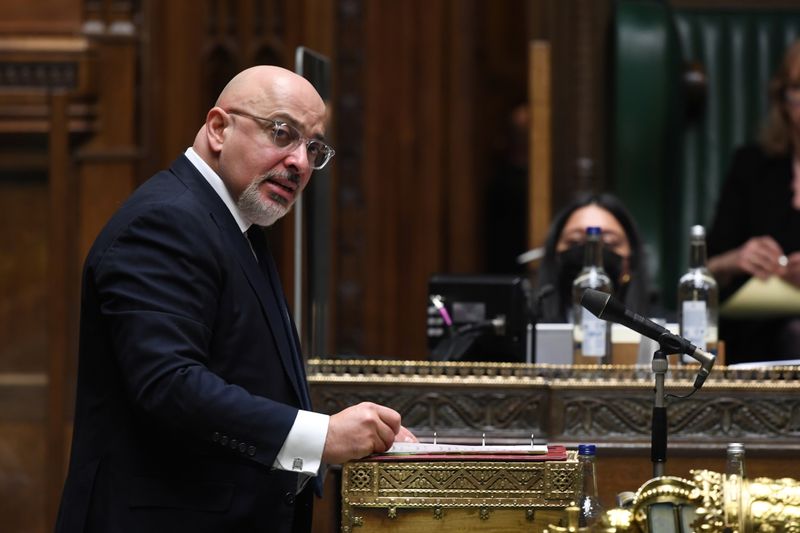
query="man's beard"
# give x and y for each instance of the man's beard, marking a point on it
(256, 209)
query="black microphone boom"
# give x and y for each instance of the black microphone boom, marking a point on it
(603, 306)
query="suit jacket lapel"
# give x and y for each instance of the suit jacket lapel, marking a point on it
(271, 300)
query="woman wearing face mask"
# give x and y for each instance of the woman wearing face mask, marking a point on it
(623, 258)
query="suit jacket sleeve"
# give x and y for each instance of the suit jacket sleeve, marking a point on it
(194, 353)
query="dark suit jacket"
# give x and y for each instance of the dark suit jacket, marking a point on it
(189, 373)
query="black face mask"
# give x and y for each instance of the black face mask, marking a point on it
(570, 264)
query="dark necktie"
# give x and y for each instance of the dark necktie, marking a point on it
(267, 266)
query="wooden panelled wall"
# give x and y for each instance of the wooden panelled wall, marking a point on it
(422, 92)
(68, 157)
(96, 95)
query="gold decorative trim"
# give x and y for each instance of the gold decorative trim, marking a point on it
(452, 373)
(720, 504)
(666, 489)
(471, 484)
(557, 403)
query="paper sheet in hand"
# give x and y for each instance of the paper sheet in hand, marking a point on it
(762, 299)
(477, 449)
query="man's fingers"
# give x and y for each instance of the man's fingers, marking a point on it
(385, 436)
(404, 435)
(390, 417)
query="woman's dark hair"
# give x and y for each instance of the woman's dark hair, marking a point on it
(548, 303)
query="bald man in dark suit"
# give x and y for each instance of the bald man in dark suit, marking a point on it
(193, 413)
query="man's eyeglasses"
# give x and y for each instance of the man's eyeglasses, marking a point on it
(284, 135)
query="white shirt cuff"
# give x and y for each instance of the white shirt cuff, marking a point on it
(302, 449)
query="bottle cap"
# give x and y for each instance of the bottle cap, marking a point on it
(586, 449)
(698, 231)
(593, 230)
(735, 447)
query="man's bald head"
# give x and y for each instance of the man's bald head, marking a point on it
(266, 90)
(269, 85)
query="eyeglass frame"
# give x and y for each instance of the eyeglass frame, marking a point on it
(276, 124)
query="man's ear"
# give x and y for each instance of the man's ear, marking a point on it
(217, 123)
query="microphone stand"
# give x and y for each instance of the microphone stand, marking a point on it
(603, 306)
(658, 436)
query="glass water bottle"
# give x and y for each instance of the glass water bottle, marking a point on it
(590, 513)
(698, 297)
(734, 482)
(591, 335)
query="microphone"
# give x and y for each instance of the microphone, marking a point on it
(603, 306)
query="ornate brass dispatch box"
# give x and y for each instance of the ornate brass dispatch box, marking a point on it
(462, 496)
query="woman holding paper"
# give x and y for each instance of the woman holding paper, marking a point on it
(756, 229)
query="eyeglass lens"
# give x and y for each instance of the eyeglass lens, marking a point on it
(285, 135)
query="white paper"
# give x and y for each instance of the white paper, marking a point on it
(760, 298)
(433, 449)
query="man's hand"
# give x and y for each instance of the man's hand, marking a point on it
(360, 430)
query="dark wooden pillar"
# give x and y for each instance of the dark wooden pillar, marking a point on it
(62, 289)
